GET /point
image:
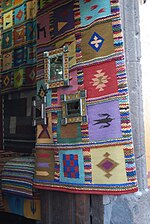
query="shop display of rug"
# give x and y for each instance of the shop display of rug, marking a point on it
(19, 196)
(84, 136)
(17, 87)
(18, 67)
(18, 72)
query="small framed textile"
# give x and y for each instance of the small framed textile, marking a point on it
(73, 107)
(56, 67)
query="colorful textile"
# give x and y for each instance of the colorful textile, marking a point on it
(18, 43)
(0, 38)
(86, 146)
(29, 208)
(4, 158)
(17, 176)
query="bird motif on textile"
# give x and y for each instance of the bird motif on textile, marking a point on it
(104, 120)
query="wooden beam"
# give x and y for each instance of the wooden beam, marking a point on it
(57, 207)
(82, 209)
(97, 209)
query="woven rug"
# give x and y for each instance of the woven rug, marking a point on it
(17, 176)
(18, 45)
(29, 208)
(19, 196)
(86, 146)
(4, 158)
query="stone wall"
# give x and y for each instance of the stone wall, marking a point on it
(132, 208)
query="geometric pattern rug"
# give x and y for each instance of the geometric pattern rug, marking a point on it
(91, 148)
(18, 54)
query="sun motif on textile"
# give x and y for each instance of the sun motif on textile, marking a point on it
(100, 79)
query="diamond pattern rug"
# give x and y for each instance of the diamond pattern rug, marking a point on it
(90, 149)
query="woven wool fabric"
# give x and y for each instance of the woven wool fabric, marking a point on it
(17, 176)
(86, 146)
(29, 208)
(4, 158)
(18, 45)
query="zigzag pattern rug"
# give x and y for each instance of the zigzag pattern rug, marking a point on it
(86, 146)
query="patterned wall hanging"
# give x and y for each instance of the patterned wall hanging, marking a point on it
(18, 43)
(0, 40)
(91, 150)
